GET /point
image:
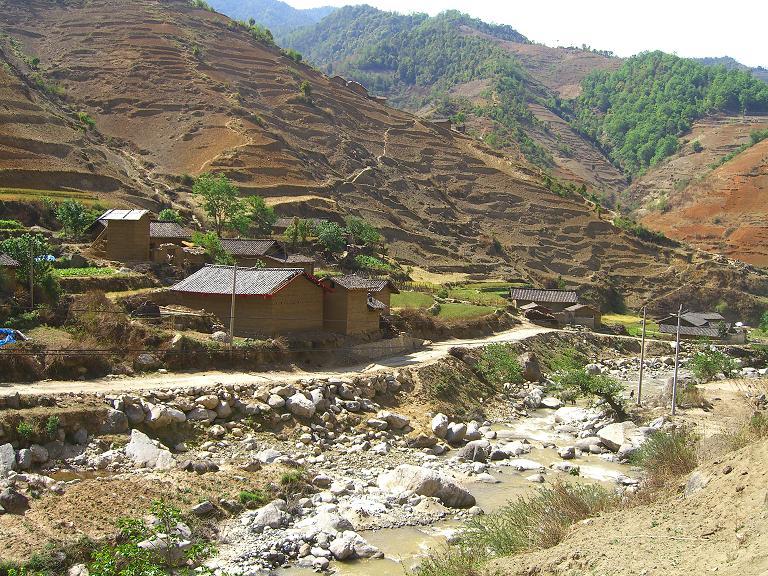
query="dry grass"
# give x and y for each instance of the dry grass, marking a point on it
(666, 456)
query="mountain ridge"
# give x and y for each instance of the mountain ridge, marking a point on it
(278, 16)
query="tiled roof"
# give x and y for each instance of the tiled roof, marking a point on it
(299, 259)
(6, 260)
(710, 332)
(247, 246)
(534, 306)
(577, 307)
(702, 318)
(214, 279)
(114, 214)
(544, 296)
(356, 282)
(159, 229)
(374, 304)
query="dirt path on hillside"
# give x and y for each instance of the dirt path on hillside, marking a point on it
(426, 355)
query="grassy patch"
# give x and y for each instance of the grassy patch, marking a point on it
(482, 293)
(449, 311)
(498, 364)
(411, 299)
(258, 497)
(633, 324)
(84, 272)
(665, 456)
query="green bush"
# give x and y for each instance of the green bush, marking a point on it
(292, 54)
(764, 321)
(25, 430)
(19, 249)
(74, 217)
(637, 229)
(212, 244)
(573, 381)
(498, 365)
(331, 236)
(170, 215)
(706, 365)
(696, 146)
(11, 225)
(362, 232)
(257, 496)
(665, 456)
(52, 426)
(291, 478)
(86, 120)
(372, 263)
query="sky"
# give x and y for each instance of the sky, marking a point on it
(688, 28)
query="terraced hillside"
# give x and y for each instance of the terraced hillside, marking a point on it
(175, 90)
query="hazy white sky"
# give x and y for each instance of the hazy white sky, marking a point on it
(686, 27)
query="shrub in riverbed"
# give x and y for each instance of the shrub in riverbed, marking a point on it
(665, 456)
(706, 365)
(537, 522)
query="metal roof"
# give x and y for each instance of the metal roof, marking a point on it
(115, 214)
(544, 296)
(6, 260)
(709, 332)
(247, 246)
(215, 279)
(158, 229)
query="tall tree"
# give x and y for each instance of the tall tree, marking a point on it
(220, 201)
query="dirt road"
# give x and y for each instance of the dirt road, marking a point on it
(177, 380)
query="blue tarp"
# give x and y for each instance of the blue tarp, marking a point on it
(7, 336)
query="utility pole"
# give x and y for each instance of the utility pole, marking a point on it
(642, 361)
(232, 308)
(31, 276)
(677, 361)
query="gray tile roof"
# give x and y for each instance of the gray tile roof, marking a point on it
(115, 214)
(374, 304)
(578, 307)
(695, 319)
(707, 331)
(544, 296)
(247, 246)
(215, 279)
(356, 282)
(159, 229)
(6, 260)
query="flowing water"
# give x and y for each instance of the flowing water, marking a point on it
(403, 547)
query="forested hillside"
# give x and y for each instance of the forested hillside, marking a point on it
(278, 16)
(638, 112)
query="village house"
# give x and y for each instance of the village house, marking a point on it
(268, 301)
(354, 304)
(8, 267)
(271, 253)
(125, 235)
(581, 315)
(167, 233)
(702, 325)
(553, 300)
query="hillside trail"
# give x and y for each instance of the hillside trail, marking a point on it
(428, 354)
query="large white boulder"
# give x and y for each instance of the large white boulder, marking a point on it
(571, 414)
(142, 450)
(350, 545)
(300, 405)
(615, 435)
(426, 482)
(440, 425)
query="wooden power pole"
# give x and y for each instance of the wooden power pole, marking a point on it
(677, 361)
(642, 361)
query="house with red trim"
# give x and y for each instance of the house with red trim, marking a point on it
(268, 301)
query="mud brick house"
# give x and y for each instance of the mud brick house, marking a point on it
(125, 235)
(582, 315)
(8, 267)
(554, 300)
(167, 233)
(273, 254)
(354, 304)
(268, 301)
(702, 325)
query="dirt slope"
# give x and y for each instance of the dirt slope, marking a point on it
(722, 210)
(176, 90)
(719, 528)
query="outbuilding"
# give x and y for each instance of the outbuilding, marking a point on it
(554, 300)
(125, 235)
(268, 301)
(8, 269)
(354, 304)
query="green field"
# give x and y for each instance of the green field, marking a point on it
(634, 324)
(411, 299)
(452, 311)
(28, 194)
(83, 272)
